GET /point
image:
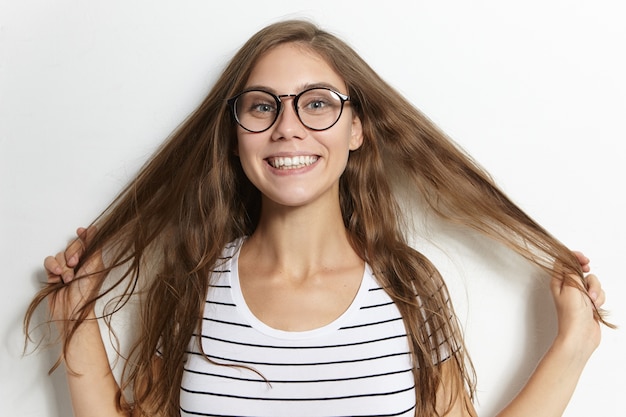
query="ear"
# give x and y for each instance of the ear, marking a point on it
(356, 138)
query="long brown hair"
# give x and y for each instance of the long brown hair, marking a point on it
(192, 198)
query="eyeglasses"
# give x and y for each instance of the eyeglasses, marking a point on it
(317, 108)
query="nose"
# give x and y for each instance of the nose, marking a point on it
(288, 124)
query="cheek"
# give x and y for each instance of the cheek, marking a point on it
(247, 152)
(244, 147)
(347, 141)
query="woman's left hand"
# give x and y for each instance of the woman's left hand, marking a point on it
(578, 325)
(550, 387)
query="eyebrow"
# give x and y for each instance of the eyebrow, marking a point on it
(301, 88)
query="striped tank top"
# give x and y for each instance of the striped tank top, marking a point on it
(358, 365)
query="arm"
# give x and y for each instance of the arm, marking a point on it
(552, 384)
(550, 387)
(93, 388)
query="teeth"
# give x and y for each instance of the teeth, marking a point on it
(294, 162)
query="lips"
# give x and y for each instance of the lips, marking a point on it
(292, 162)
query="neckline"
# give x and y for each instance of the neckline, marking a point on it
(260, 326)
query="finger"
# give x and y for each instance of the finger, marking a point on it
(76, 248)
(80, 234)
(67, 272)
(87, 234)
(582, 260)
(556, 284)
(600, 300)
(52, 266)
(594, 289)
(73, 252)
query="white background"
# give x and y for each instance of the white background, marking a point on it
(534, 90)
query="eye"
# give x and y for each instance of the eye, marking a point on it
(318, 101)
(318, 104)
(257, 104)
(262, 108)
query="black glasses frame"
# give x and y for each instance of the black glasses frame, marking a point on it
(232, 104)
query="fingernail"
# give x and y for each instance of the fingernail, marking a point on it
(73, 260)
(593, 295)
(57, 270)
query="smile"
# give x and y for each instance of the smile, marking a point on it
(294, 162)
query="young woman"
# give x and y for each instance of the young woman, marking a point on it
(267, 251)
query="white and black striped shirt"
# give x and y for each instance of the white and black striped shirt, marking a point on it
(358, 365)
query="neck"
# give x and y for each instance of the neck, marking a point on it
(301, 239)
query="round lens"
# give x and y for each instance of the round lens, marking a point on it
(319, 108)
(256, 111)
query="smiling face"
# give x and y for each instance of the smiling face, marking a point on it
(290, 164)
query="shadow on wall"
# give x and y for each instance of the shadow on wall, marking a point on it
(502, 300)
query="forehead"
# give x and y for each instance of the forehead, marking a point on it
(290, 68)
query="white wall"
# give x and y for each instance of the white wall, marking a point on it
(535, 90)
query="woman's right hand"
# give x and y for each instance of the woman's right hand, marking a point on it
(92, 386)
(61, 268)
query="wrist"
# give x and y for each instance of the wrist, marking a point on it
(65, 324)
(575, 351)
